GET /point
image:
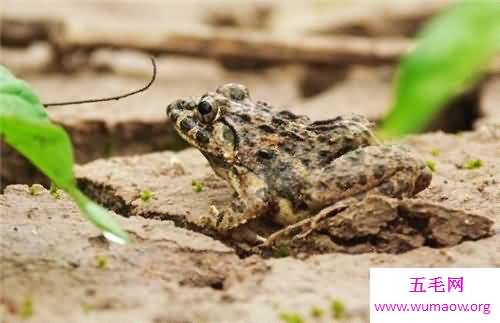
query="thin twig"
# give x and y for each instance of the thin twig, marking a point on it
(118, 97)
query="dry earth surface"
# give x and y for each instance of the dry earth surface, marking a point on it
(53, 257)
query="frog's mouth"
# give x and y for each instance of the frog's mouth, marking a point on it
(182, 115)
(191, 131)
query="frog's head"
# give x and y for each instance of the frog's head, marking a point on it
(208, 123)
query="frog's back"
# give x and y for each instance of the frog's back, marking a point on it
(283, 148)
(335, 137)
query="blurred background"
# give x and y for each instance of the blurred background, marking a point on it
(321, 58)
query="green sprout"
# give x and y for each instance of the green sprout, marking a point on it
(101, 262)
(338, 309)
(146, 195)
(197, 186)
(435, 152)
(473, 164)
(317, 312)
(291, 317)
(54, 191)
(86, 308)
(27, 308)
(281, 250)
(35, 189)
(431, 165)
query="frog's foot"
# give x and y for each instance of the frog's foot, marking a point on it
(235, 222)
(226, 219)
(381, 224)
(303, 228)
(247, 235)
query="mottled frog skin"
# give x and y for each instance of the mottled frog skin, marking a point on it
(285, 167)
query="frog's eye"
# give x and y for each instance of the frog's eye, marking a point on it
(207, 111)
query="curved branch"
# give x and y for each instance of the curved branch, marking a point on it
(118, 97)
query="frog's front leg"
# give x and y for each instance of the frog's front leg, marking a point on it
(384, 170)
(252, 201)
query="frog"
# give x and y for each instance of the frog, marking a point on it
(285, 168)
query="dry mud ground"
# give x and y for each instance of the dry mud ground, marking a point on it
(60, 263)
(56, 267)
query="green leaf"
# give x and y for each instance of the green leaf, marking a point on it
(24, 125)
(47, 146)
(14, 94)
(99, 216)
(450, 54)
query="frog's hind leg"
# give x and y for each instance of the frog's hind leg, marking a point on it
(398, 185)
(384, 170)
(382, 224)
